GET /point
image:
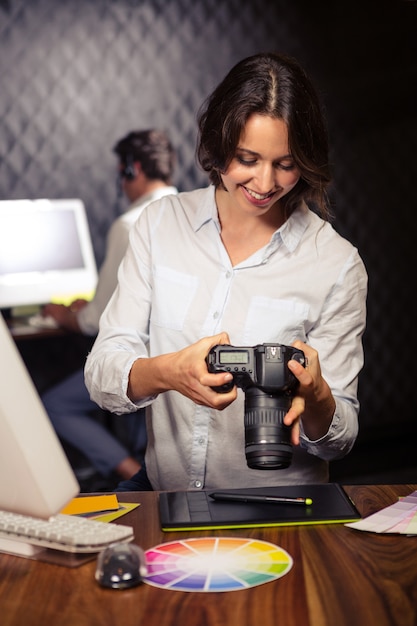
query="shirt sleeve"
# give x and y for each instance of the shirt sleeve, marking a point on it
(124, 330)
(338, 339)
(88, 318)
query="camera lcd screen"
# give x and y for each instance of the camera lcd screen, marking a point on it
(239, 356)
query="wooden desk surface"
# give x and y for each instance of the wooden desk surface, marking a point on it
(340, 577)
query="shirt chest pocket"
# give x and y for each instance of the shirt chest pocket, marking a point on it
(270, 320)
(173, 293)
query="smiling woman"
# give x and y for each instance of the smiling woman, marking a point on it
(261, 173)
(264, 268)
(262, 165)
(274, 87)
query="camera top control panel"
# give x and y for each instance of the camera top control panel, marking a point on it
(263, 366)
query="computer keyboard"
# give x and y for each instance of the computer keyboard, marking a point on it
(42, 321)
(62, 532)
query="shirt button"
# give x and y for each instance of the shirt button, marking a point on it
(201, 441)
(216, 315)
(198, 484)
(228, 274)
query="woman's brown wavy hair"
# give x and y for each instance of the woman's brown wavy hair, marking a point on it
(273, 85)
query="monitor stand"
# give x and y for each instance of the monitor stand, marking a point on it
(19, 548)
(38, 553)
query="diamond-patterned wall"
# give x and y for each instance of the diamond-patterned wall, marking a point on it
(75, 75)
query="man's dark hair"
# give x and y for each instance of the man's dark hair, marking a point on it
(152, 149)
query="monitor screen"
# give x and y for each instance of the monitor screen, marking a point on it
(46, 254)
(36, 477)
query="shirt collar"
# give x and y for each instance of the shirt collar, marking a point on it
(292, 230)
(207, 208)
(289, 233)
(156, 194)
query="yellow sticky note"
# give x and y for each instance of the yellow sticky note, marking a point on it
(91, 504)
(124, 507)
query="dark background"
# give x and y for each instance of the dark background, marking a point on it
(76, 75)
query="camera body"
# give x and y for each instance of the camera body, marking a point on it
(261, 371)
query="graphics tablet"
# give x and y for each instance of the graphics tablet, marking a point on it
(194, 510)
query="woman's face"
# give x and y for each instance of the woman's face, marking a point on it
(262, 170)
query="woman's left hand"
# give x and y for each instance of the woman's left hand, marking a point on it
(314, 402)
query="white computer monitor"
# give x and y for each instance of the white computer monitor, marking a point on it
(35, 475)
(46, 254)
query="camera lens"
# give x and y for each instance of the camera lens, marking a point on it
(267, 438)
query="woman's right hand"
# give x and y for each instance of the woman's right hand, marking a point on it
(184, 371)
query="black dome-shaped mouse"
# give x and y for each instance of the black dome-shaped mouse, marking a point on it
(121, 566)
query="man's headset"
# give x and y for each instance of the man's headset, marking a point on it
(128, 171)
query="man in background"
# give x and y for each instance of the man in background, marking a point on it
(146, 164)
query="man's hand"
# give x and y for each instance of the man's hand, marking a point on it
(63, 315)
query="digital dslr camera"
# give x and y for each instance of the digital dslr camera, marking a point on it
(262, 372)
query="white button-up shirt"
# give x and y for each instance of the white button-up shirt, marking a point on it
(177, 284)
(117, 241)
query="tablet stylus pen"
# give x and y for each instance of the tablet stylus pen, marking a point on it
(241, 497)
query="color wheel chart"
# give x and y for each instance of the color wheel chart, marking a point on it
(215, 564)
